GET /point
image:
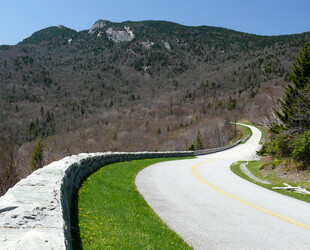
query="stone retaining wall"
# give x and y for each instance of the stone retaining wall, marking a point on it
(35, 213)
(219, 149)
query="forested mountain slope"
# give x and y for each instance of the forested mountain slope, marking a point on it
(137, 85)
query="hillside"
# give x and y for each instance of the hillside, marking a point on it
(136, 86)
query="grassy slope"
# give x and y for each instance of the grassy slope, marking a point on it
(254, 167)
(242, 132)
(249, 131)
(245, 131)
(112, 213)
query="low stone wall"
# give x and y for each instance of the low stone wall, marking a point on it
(35, 213)
(215, 150)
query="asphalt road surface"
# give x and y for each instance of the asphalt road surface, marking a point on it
(212, 208)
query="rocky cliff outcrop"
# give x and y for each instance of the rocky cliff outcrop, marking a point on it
(115, 34)
(98, 25)
(120, 35)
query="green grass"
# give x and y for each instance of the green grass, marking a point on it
(245, 131)
(254, 167)
(109, 212)
(262, 130)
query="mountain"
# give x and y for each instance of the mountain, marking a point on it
(131, 86)
(57, 35)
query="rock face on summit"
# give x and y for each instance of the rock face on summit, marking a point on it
(98, 25)
(120, 35)
(117, 36)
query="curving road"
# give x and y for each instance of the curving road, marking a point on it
(212, 208)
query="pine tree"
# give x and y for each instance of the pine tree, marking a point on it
(294, 108)
(291, 135)
(37, 156)
(197, 143)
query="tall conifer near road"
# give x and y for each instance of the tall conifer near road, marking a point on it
(294, 108)
(292, 134)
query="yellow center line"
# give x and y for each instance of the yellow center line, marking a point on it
(264, 210)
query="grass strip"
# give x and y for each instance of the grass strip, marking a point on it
(245, 131)
(110, 213)
(254, 167)
(262, 130)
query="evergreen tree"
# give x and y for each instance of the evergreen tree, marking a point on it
(291, 135)
(293, 111)
(197, 144)
(37, 156)
(198, 141)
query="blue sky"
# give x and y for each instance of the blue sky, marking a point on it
(20, 18)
